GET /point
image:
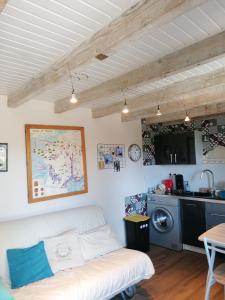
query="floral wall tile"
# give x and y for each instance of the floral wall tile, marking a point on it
(136, 204)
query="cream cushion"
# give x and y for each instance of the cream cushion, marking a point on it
(63, 251)
(98, 241)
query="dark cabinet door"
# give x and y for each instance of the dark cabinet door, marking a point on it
(184, 147)
(215, 214)
(191, 148)
(180, 149)
(193, 222)
(175, 148)
(164, 149)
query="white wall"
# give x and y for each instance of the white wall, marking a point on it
(106, 188)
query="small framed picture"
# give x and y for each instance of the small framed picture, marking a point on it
(3, 157)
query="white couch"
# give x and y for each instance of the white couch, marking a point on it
(98, 279)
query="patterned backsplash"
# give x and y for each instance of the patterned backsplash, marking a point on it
(213, 135)
(136, 204)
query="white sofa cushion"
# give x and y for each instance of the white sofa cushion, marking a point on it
(98, 279)
(63, 251)
(98, 241)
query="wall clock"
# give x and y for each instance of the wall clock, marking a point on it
(134, 152)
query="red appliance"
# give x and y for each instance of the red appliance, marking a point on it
(168, 184)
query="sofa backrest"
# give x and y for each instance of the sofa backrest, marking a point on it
(28, 231)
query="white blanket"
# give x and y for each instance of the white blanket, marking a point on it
(98, 279)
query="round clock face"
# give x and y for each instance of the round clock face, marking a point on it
(134, 152)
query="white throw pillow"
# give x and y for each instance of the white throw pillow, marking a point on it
(98, 241)
(63, 251)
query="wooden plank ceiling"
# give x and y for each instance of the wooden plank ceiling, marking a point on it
(160, 52)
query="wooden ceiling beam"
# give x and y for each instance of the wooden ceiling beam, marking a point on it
(196, 112)
(174, 63)
(164, 95)
(130, 23)
(204, 96)
(2, 5)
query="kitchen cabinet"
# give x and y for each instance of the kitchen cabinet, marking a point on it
(215, 214)
(175, 148)
(193, 221)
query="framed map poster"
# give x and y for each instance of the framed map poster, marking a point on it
(56, 162)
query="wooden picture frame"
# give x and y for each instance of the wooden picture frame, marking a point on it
(56, 162)
(3, 157)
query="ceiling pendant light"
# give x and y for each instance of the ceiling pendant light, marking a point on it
(125, 108)
(158, 112)
(73, 98)
(187, 118)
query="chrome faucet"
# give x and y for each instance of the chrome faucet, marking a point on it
(212, 189)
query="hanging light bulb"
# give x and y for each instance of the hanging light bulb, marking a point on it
(158, 112)
(73, 98)
(125, 108)
(187, 118)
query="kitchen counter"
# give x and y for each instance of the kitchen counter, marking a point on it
(202, 199)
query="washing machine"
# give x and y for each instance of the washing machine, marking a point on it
(165, 221)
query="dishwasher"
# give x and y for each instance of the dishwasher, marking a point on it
(193, 222)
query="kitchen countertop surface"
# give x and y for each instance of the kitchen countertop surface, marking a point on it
(202, 199)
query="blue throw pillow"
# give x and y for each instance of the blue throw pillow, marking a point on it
(4, 293)
(28, 265)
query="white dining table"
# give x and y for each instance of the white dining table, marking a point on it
(215, 234)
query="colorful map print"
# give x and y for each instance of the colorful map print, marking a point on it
(57, 164)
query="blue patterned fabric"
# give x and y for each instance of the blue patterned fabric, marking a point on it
(4, 293)
(136, 204)
(28, 265)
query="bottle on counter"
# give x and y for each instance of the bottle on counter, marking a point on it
(186, 186)
(174, 182)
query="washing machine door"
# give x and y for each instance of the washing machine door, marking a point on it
(162, 220)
